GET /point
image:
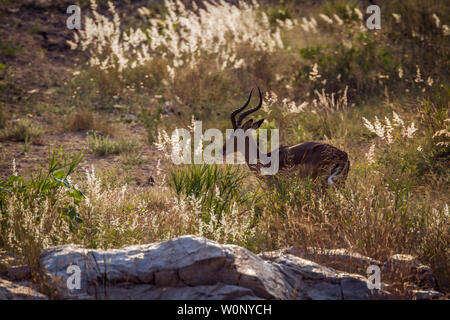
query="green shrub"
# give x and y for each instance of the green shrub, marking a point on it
(23, 130)
(105, 146)
(151, 122)
(278, 13)
(2, 119)
(357, 66)
(216, 187)
(42, 210)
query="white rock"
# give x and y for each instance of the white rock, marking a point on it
(192, 267)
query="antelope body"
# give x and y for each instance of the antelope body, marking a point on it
(310, 159)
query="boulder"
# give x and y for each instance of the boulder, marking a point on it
(401, 274)
(339, 259)
(18, 291)
(21, 273)
(192, 267)
(407, 268)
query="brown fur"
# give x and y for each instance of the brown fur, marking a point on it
(310, 159)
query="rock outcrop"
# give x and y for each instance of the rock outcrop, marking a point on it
(192, 267)
(402, 275)
(19, 291)
(15, 280)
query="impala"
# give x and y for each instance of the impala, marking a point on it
(310, 159)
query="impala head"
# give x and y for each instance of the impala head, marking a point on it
(244, 127)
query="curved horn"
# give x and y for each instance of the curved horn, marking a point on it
(235, 112)
(246, 113)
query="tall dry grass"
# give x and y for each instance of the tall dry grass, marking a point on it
(382, 96)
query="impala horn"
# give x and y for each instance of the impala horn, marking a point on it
(237, 123)
(246, 113)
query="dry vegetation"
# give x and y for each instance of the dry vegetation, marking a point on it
(380, 95)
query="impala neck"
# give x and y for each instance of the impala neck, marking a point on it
(264, 163)
(252, 164)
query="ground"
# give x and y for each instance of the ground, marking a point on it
(40, 62)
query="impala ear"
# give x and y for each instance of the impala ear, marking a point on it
(257, 124)
(247, 125)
